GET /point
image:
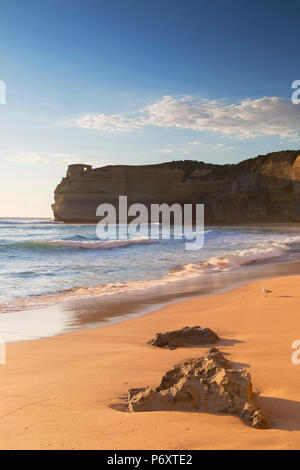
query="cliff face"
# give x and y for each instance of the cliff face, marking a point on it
(261, 189)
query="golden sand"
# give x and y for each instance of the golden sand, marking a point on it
(63, 392)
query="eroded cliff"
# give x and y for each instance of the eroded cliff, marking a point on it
(261, 189)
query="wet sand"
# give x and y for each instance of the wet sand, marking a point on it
(94, 311)
(64, 392)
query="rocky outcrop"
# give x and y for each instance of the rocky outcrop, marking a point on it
(187, 336)
(207, 384)
(261, 189)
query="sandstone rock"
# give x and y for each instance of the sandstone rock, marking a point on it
(204, 384)
(261, 189)
(186, 336)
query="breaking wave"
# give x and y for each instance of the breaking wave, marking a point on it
(261, 253)
(265, 251)
(27, 222)
(83, 244)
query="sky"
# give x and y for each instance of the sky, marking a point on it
(140, 81)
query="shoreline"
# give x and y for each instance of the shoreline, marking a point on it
(63, 392)
(97, 311)
(84, 302)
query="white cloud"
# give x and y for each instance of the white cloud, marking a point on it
(32, 157)
(196, 142)
(107, 122)
(184, 151)
(221, 147)
(28, 157)
(56, 158)
(164, 150)
(266, 116)
(218, 146)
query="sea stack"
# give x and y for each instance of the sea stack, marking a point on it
(261, 189)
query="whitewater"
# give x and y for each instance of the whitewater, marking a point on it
(43, 262)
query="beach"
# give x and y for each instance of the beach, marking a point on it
(149, 228)
(57, 278)
(66, 392)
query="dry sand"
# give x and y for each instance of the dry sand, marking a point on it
(62, 392)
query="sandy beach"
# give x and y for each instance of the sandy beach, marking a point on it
(64, 392)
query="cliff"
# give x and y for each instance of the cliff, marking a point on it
(261, 189)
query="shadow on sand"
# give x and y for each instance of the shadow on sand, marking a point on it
(283, 414)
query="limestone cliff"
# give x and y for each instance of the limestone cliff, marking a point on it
(261, 189)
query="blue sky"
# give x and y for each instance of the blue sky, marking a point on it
(140, 81)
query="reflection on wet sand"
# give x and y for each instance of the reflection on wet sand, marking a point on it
(95, 311)
(98, 311)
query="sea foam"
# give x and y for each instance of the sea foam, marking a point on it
(262, 252)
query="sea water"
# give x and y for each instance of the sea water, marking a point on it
(44, 263)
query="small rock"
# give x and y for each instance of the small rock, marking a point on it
(187, 336)
(203, 384)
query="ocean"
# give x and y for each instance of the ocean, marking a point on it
(47, 266)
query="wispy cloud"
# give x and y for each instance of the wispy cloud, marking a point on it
(56, 158)
(221, 147)
(28, 157)
(176, 150)
(196, 142)
(217, 146)
(164, 150)
(266, 116)
(107, 122)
